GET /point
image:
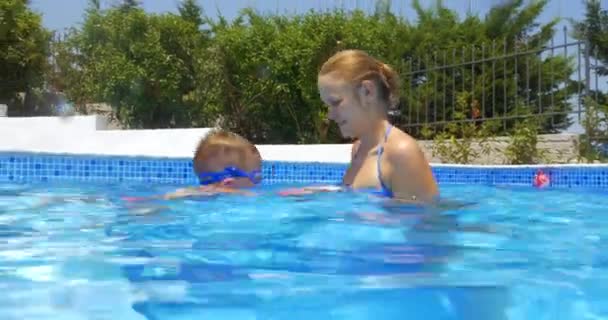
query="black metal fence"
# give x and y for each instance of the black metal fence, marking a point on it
(505, 81)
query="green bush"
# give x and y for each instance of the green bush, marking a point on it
(592, 144)
(24, 49)
(522, 148)
(257, 74)
(465, 139)
(140, 64)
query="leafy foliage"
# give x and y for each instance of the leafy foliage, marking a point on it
(594, 30)
(143, 65)
(522, 148)
(126, 5)
(190, 11)
(23, 53)
(257, 74)
(593, 144)
(462, 141)
(497, 59)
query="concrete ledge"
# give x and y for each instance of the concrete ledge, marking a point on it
(14, 125)
(555, 148)
(88, 135)
(155, 143)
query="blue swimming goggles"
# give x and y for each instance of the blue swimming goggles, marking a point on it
(206, 178)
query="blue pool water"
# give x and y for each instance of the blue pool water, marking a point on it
(77, 251)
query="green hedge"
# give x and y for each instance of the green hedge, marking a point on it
(256, 74)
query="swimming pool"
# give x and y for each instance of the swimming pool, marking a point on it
(73, 249)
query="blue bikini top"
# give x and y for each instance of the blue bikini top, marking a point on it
(385, 190)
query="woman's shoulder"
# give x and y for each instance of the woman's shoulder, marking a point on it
(400, 144)
(405, 154)
(408, 169)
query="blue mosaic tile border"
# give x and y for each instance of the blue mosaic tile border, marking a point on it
(33, 167)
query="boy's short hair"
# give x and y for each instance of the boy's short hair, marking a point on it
(223, 143)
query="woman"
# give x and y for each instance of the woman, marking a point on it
(359, 90)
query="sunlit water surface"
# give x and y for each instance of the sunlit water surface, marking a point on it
(76, 251)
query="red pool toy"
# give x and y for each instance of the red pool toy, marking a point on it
(541, 179)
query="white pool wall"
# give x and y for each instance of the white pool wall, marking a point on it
(88, 135)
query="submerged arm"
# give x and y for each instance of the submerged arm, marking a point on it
(202, 191)
(323, 188)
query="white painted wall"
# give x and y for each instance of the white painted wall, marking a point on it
(13, 125)
(87, 135)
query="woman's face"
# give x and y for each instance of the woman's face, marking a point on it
(349, 106)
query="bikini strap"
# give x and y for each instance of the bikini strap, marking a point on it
(385, 189)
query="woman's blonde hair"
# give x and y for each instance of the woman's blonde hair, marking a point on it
(355, 66)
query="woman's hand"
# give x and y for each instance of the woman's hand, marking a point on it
(310, 190)
(202, 191)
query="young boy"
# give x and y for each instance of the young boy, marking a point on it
(224, 162)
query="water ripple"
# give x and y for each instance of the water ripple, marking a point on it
(79, 252)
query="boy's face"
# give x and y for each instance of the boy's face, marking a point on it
(221, 161)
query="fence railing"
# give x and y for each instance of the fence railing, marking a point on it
(504, 81)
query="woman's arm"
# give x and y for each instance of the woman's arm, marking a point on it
(311, 190)
(202, 191)
(323, 188)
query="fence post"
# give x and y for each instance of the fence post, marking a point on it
(587, 58)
